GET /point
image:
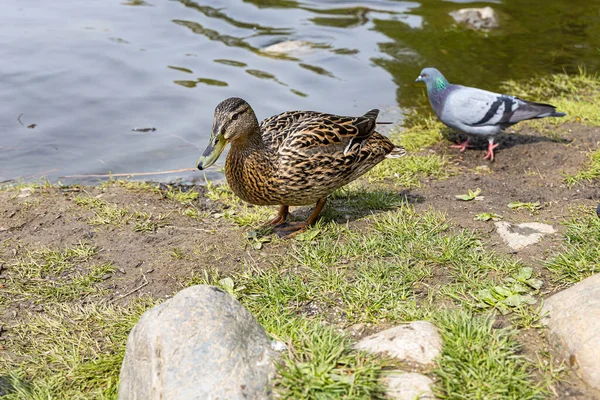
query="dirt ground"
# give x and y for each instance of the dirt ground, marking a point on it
(527, 168)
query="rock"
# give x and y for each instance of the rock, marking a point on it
(408, 386)
(476, 18)
(25, 192)
(200, 344)
(418, 342)
(573, 319)
(519, 236)
(290, 48)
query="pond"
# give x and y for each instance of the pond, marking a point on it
(78, 77)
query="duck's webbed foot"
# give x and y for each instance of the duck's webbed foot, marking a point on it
(289, 230)
(281, 216)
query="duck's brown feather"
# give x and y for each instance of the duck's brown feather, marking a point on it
(304, 156)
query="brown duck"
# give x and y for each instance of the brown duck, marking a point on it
(295, 158)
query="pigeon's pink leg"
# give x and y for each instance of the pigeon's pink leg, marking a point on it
(491, 147)
(462, 146)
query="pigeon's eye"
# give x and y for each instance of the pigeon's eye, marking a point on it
(424, 75)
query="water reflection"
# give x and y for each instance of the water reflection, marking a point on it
(87, 72)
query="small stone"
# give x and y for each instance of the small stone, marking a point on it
(25, 192)
(408, 386)
(201, 344)
(476, 18)
(573, 319)
(418, 341)
(519, 236)
(278, 346)
(356, 329)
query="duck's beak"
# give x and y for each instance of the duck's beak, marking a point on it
(212, 152)
(419, 79)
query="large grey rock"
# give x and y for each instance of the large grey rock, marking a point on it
(418, 341)
(573, 318)
(519, 236)
(201, 344)
(476, 18)
(408, 386)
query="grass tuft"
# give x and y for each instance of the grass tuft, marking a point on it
(105, 213)
(46, 275)
(321, 364)
(480, 362)
(71, 351)
(589, 174)
(420, 131)
(580, 255)
(409, 171)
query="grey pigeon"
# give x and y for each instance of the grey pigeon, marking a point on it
(478, 112)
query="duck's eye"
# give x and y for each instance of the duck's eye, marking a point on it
(235, 116)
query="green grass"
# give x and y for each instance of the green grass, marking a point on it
(105, 213)
(146, 222)
(479, 361)
(418, 131)
(71, 351)
(381, 274)
(589, 174)
(321, 364)
(410, 170)
(577, 95)
(47, 276)
(580, 255)
(136, 186)
(182, 196)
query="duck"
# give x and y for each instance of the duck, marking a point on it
(295, 158)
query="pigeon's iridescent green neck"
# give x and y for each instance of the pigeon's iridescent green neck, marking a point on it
(440, 83)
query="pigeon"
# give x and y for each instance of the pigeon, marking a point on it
(598, 210)
(478, 112)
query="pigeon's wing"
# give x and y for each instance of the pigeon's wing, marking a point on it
(478, 108)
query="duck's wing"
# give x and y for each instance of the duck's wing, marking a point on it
(310, 131)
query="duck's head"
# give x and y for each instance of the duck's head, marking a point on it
(234, 120)
(432, 78)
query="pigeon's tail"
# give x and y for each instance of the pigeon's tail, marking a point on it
(397, 152)
(544, 110)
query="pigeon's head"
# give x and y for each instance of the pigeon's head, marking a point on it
(432, 78)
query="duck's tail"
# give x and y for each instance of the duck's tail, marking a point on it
(397, 152)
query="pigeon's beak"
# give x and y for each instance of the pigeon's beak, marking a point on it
(213, 151)
(419, 79)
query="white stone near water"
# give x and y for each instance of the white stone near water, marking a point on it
(418, 342)
(290, 48)
(519, 236)
(200, 345)
(573, 319)
(476, 18)
(408, 386)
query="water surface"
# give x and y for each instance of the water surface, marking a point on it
(77, 76)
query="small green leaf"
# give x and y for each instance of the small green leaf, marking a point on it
(227, 285)
(535, 283)
(524, 274)
(487, 217)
